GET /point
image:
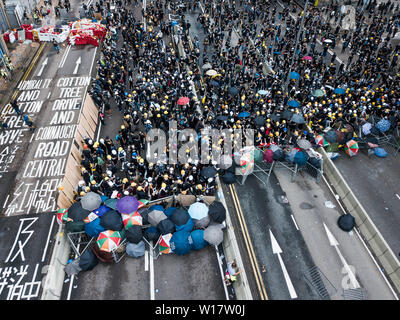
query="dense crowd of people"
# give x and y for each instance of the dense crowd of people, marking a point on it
(143, 73)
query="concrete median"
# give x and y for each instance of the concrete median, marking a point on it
(370, 233)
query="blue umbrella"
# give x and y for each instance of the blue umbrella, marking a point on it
(214, 83)
(262, 92)
(294, 75)
(233, 91)
(243, 114)
(181, 242)
(339, 91)
(101, 210)
(383, 125)
(293, 103)
(301, 158)
(277, 52)
(94, 228)
(198, 210)
(198, 239)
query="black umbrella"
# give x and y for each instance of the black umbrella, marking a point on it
(259, 121)
(111, 220)
(77, 213)
(278, 155)
(134, 234)
(217, 212)
(233, 91)
(346, 222)
(372, 139)
(287, 115)
(180, 216)
(208, 172)
(275, 117)
(166, 226)
(88, 260)
(229, 177)
(144, 212)
(331, 136)
(152, 234)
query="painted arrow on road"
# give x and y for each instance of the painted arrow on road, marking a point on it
(334, 243)
(276, 249)
(78, 62)
(43, 65)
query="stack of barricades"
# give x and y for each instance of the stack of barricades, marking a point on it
(86, 31)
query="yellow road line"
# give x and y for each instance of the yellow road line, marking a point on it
(27, 73)
(253, 259)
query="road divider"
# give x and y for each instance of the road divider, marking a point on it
(370, 233)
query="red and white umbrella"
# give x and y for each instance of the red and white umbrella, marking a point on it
(351, 148)
(132, 219)
(183, 100)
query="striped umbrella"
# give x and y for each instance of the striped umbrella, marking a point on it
(109, 240)
(132, 219)
(163, 244)
(351, 148)
(62, 216)
(247, 162)
(321, 141)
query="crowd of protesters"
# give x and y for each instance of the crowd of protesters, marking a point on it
(141, 72)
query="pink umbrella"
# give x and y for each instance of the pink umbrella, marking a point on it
(183, 100)
(307, 58)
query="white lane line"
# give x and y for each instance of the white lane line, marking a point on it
(32, 138)
(397, 196)
(151, 273)
(48, 239)
(64, 57)
(146, 261)
(294, 221)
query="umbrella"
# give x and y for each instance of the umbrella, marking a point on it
(111, 203)
(111, 220)
(321, 141)
(294, 75)
(183, 100)
(258, 156)
(331, 136)
(181, 242)
(169, 211)
(318, 93)
(77, 213)
(380, 152)
(293, 103)
(304, 144)
(108, 240)
(339, 91)
(144, 212)
(142, 203)
(198, 210)
(267, 156)
(225, 162)
(333, 147)
(366, 128)
(217, 212)
(383, 125)
(134, 234)
(136, 250)
(259, 121)
(346, 222)
(62, 216)
(202, 223)
(164, 246)
(208, 172)
(206, 66)
(222, 118)
(188, 226)
(262, 92)
(286, 114)
(101, 210)
(340, 136)
(351, 148)
(328, 40)
(88, 260)
(73, 267)
(91, 201)
(229, 177)
(275, 117)
(233, 91)
(152, 234)
(91, 217)
(155, 216)
(180, 216)
(214, 83)
(211, 72)
(132, 219)
(198, 239)
(301, 158)
(94, 228)
(291, 155)
(166, 226)
(298, 118)
(308, 58)
(127, 204)
(214, 235)
(278, 155)
(243, 114)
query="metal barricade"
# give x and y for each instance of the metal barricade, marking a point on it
(79, 242)
(119, 252)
